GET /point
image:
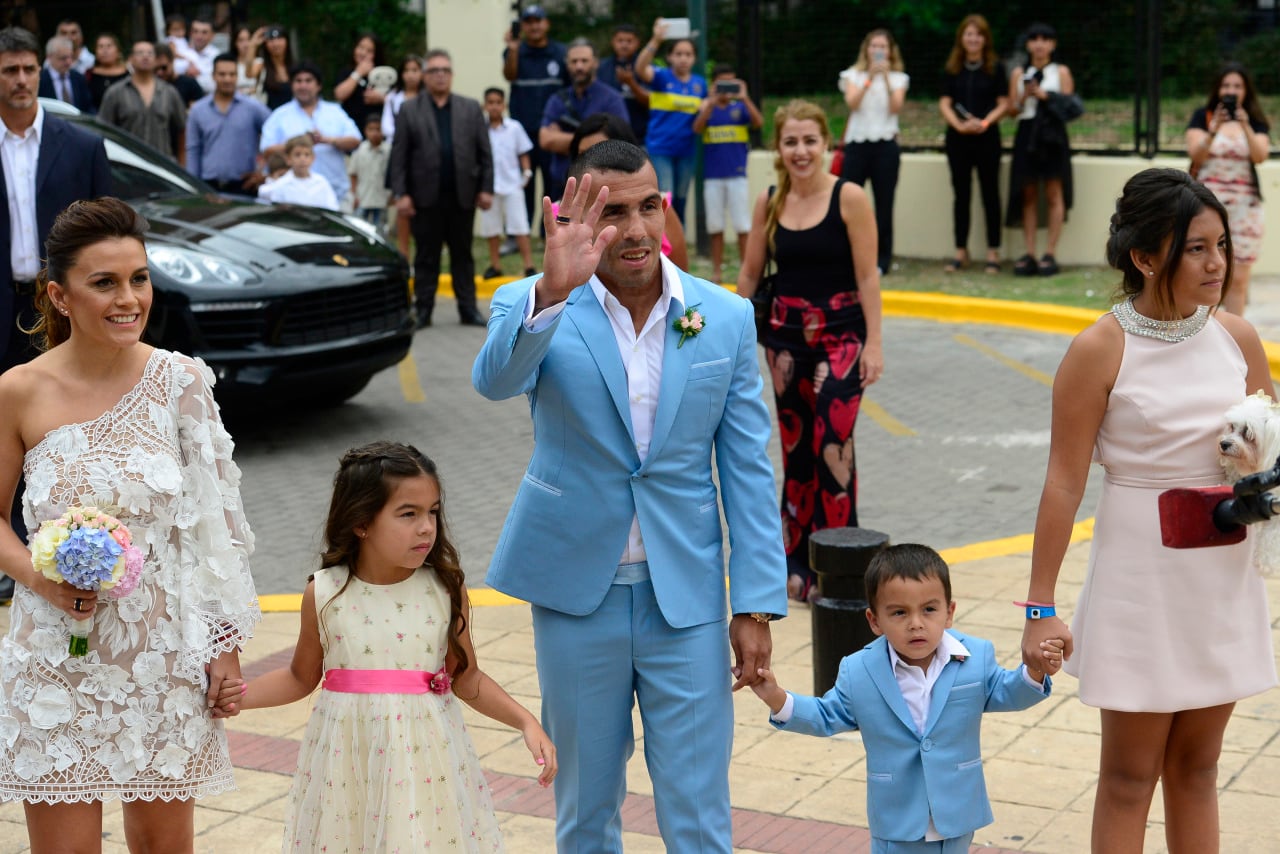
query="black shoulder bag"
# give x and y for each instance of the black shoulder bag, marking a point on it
(762, 299)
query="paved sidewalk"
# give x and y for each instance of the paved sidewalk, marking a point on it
(790, 793)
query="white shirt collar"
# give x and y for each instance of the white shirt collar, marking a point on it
(672, 286)
(949, 648)
(37, 127)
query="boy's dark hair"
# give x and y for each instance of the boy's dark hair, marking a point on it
(612, 155)
(494, 90)
(911, 561)
(721, 68)
(373, 118)
(626, 28)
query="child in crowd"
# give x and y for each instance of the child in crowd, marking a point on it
(917, 693)
(511, 172)
(367, 167)
(175, 33)
(298, 186)
(386, 763)
(277, 166)
(725, 120)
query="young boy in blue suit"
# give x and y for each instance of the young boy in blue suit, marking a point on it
(917, 693)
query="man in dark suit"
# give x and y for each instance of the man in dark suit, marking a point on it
(47, 164)
(441, 170)
(59, 80)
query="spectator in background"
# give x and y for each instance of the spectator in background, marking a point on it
(510, 146)
(186, 85)
(1226, 139)
(875, 88)
(222, 134)
(352, 90)
(974, 99)
(407, 87)
(175, 35)
(330, 128)
(146, 106)
(299, 186)
(675, 96)
(441, 171)
(197, 61)
(58, 80)
(277, 60)
(1035, 161)
(248, 63)
(566, 109)
(618, 72)
(70, 29)
(537, 68)
(109, 67)
(368, 170)
(725, 120)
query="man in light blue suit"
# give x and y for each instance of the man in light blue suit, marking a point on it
(917, 693)
(615, 534)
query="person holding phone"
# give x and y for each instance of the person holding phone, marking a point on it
(675, 97)
(1225, 140)
(974, 98)
(1038, 160)
(875, 88)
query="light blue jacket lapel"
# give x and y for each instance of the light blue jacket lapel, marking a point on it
(881, 670)
(586, 313)
(941, 691)
(675, 372)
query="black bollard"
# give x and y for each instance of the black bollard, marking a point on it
(840, 557)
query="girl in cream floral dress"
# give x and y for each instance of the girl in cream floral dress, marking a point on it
(386, 763)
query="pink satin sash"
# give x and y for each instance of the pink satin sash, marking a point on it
(387, 681)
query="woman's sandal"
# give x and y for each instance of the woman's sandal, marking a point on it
(992, 267)
(1025, 266)
(1048, 265)
(955, 265)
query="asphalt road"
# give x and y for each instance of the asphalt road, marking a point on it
(951, 445)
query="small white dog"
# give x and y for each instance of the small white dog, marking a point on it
(1250, 444)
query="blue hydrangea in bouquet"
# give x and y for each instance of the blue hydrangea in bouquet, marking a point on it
(90, 550)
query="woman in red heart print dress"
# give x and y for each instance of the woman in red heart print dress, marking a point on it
(823, 345)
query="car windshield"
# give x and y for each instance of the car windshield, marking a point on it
(137, 170)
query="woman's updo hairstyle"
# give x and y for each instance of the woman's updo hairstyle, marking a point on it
(81, 225)
(1158, 205)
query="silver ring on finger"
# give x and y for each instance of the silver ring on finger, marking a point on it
(561, 219)
(78, 604)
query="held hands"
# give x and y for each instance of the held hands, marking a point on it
(1051, 659)
(1046, 643)
(544, 752)
(226, 685)
(573, 248)
(752, 648)
(230, 695)
(768, 690)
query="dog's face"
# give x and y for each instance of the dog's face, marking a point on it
(1251, 441)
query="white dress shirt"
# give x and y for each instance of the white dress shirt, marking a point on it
(20, 155)
(641, 358)
(872, 121)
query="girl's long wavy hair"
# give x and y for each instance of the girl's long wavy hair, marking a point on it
(361, 488)
(955, 62)
(800, 111)
(1250, 100)
(863, 62)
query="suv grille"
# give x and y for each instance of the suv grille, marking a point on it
(339, 313)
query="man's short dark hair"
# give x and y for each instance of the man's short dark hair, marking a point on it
(612, 155)
(911, 561)
(226, 57)
(721, 68)
(201, 19)
(18, 40)
(306, 66)
(163, 50)
(626, 28)
(494, 90)
(580, 41)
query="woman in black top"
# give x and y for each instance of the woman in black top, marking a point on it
(352, 90)
(823, 346)
(974, 98)
(277, 59)
(108, 67)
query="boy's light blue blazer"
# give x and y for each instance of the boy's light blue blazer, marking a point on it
(910, 775)
(568, 525)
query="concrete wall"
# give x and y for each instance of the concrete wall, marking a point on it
(471, 30)
(922, 209)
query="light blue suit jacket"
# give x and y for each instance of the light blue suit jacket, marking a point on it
(569, 523)
(910, 775)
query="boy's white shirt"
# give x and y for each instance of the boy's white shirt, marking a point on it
(312, 190)
(507, 142)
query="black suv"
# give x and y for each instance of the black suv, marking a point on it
(287, 304)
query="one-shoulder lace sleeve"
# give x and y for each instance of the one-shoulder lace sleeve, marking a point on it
(219, 605)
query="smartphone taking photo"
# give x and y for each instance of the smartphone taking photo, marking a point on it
(727, 87)
(677, 28)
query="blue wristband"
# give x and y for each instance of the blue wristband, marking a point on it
(1039, 612)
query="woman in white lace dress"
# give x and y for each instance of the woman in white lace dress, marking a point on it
(102, 419)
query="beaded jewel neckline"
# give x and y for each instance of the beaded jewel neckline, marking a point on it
(1172, 331)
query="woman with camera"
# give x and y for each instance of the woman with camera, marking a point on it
(1225, 139)
(974, 99)
(1041, 150)
(875, 88)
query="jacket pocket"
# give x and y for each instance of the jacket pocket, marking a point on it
(543, 485)
(707, 370)
(972, 763)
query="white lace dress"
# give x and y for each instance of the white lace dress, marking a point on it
(129, 719)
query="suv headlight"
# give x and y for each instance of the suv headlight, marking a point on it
(190, 267)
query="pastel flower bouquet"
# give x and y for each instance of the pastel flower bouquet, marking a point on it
(89, 550)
